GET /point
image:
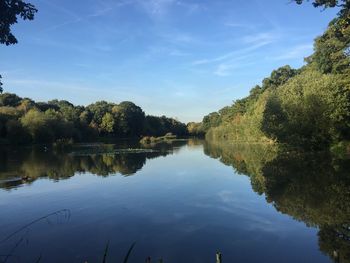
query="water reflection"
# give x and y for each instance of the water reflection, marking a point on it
(311, 187)
(25, 165)
(188, 196)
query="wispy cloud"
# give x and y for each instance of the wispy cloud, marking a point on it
(63, 24)
(159, 8)
(179, 38)
(238, 54)
(264, 37)
(83, 49)
(59, 8)
(102, 11)
(227, 62)
(239, 25)
(296, 52)
(191, 8)
(156, 8)
(227, 68)
(75, 18)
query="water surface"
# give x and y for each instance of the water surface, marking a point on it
(181, 201)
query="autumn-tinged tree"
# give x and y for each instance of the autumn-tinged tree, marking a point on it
(195, 128)
(108, 122)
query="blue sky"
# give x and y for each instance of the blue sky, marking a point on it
(180, 58)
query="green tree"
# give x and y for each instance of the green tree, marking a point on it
(274, 119)
(129, 119)
(85, 117)
(46, 126)
(195, 128)
(36, 124)
(25, 105)
(68, 110)
(98, 110)
(108, 123)
(9, 99)
(16, 133)
(211, 120)
(44, 106)
(332, 49)
(278, 77)
(310, 110)
(7, 114)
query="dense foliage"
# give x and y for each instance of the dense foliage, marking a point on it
(24, 121)
(307, 107)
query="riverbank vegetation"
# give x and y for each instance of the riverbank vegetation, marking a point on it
(152, 139)
(23, 120)
(307, 107)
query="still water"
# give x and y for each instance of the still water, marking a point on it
(180, 201)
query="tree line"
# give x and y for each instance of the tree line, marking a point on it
(23, 120)
(307, 107)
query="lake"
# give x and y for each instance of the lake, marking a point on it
(181, 201)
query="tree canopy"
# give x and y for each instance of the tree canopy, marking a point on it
(10, 10)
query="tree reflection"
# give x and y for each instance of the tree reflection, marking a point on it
(25, 165)
(310, 187)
